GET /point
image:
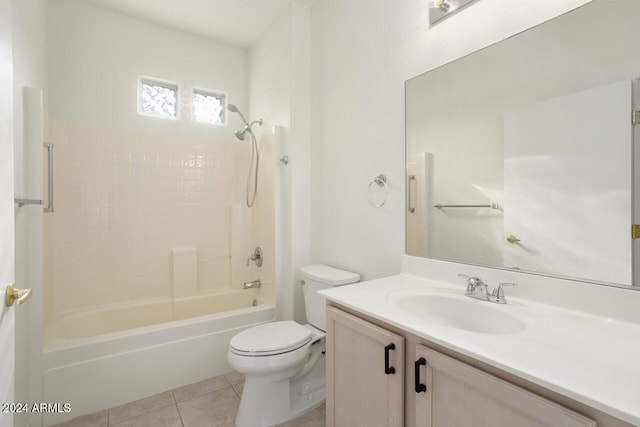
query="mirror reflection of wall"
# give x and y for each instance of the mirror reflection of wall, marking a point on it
(567, 184)
(492, 129)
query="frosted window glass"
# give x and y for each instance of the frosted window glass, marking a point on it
(158, 99)
(208, 107)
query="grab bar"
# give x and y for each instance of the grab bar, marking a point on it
(49, 147)
(492, 206)
(410, 208)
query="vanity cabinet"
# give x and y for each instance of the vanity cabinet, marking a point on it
(452, 393)
(438, 388)
(365, 365)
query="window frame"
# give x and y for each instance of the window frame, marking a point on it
(209, 92)
(167, 84)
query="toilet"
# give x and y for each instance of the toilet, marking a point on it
(283, 362)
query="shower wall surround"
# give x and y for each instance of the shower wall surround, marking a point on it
(126, 199)
(134, 193)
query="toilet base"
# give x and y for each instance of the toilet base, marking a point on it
(266, 402)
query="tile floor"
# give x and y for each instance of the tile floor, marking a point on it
(209, 403)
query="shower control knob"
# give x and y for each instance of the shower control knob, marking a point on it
(256, 257)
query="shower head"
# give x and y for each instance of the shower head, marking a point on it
(254, 152)
(234, 109)
(247, 126)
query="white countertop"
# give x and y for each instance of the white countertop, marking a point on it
(591, 359)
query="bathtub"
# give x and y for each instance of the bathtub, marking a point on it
(97, 359)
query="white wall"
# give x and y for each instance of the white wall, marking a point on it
(363, 51)
(357, 133)
(29, 62)
(7, 269)
(270, 100)
(30, 70)
(97, 55)
(270, 75)
(300, 149)
(279, 93)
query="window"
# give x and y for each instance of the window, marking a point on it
(158, 99)
(208, 107)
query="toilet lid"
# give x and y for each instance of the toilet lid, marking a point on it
(270, 338)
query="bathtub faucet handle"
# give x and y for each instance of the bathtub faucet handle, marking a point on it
(256, 256)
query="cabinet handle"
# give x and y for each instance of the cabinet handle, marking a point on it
(388, 369)
(419, 387)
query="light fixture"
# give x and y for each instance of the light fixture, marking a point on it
(442, 4)
(440, 9)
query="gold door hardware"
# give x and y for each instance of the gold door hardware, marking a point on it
(13, 294)
(512, 239)
(635, 231)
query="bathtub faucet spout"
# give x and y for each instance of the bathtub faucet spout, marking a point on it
(250, 285)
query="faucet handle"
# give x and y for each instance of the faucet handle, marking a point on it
(256, 256)
(498, 292)
(472, 282)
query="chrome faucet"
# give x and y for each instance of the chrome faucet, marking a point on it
(477, 289)
(497, 295)
(256, 256)
(251, 285)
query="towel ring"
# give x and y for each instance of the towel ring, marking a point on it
(381, 181)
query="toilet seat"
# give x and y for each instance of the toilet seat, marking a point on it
(270, 339)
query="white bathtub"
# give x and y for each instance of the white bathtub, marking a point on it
(98, 359)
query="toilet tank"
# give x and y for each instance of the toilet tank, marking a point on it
(318, 277)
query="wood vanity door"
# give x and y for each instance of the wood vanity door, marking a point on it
(462, 396)
(365, 373)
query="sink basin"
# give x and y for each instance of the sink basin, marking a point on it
(458, 312)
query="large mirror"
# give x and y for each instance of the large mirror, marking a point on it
(520, 155)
